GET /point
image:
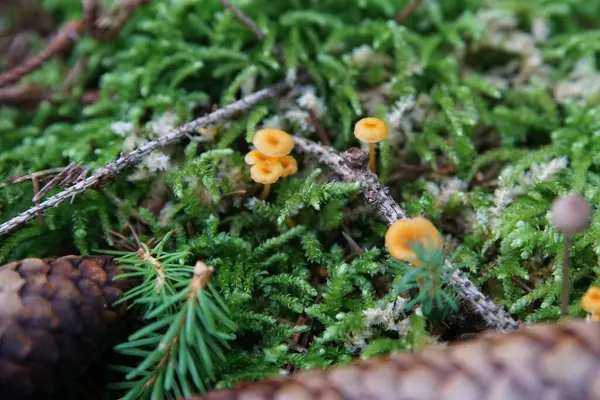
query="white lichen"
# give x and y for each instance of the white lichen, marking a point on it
(580, 84)
(157, 161)
(274, 121)
(361, 56)
(309, 101)
(122, 128)
(164, 124)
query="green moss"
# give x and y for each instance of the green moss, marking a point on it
(495, 116)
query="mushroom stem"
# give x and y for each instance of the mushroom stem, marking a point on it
(372, 157)
(564, 307)
(265, 192)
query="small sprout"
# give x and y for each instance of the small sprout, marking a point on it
(405, 232)
(289, 164)
(273, 142)
(590, 302)
(570, 214)
(267, 172)
(371, 130)
(255, 157)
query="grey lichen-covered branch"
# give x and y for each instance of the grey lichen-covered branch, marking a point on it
(132, 158)
(352, 166)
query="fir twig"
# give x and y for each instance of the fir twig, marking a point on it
(129, 159)
(351, 166)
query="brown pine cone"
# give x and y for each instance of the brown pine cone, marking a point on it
(55, 317)
(543, 362)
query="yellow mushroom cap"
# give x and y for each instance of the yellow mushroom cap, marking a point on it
(255, 157)
(266, 172)
(590, 301)
(273, 142)
(405, 232)
(289, 164)
(370, 130)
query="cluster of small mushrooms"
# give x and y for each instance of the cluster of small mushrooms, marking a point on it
(271, 160)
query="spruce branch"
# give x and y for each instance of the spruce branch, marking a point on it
(187, 328)
(126, 160)
(351, 166)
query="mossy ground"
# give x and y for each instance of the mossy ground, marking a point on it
(493, 111)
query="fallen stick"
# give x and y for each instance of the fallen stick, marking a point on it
(129, 159)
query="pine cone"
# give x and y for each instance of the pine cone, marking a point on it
(547, 361)
(55, 318)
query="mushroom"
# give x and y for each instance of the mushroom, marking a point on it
(255, 157)
(405, 232)
(266, 172)
(371, 130)
(289, 164)
(590, 302)
(273, 142)
(571, 214)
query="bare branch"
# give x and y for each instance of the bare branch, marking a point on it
(129, 159)
(352, 166)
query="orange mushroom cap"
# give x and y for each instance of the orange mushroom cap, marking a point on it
(273, 142)
(289, 164)
(405, 232)
(590, 301)
(266, 172)
(370, 130)
(255, 157)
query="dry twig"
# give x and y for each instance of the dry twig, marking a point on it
(406, 11)
(351, 166)
(69, 175)
(319, 128)
(102, 27)
(129, 159)
(99, 27)
(244, 19)
(60, 42)
(252, 26)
